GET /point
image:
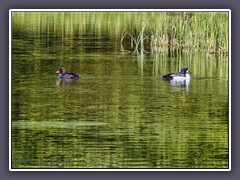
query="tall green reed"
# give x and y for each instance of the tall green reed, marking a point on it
(138, 32)
(185, 30)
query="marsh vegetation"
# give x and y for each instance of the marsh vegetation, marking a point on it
(138, 32)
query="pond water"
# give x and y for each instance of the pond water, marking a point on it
(120, 113)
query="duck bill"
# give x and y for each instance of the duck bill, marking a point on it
(57, 71)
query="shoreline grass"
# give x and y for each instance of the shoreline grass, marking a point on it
(137, 32)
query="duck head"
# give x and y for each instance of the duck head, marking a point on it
(185, 71)
(61, 70)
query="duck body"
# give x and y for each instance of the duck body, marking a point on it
(182, 75)
(64, 75)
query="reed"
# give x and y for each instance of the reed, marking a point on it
(184, 30)
(138, 32)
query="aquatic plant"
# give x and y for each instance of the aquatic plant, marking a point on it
(138, 32)
(187, 31)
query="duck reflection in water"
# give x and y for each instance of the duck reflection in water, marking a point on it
(177, 82)
(179, 85)
(62, 82)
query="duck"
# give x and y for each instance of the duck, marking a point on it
(182, 75)
(64, 75)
